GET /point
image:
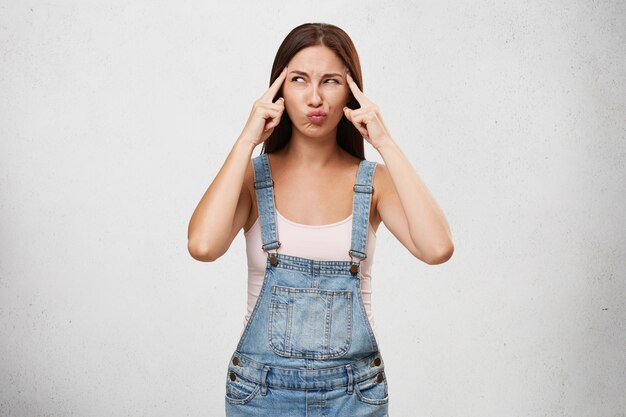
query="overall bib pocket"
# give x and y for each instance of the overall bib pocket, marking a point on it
(310, 322)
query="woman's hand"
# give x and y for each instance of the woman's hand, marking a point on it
(265, 114)
(366, 119)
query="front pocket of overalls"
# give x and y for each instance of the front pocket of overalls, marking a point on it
(310, 322)
(370, 391)
(240, 390)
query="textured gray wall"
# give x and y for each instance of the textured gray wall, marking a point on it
(115, 116)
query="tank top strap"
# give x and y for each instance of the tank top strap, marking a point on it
(363, 190)
(264, 190)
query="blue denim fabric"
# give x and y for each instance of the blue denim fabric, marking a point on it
(308, 348)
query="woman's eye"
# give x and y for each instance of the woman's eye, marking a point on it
(297, 77)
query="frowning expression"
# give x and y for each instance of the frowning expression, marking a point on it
(315, 90)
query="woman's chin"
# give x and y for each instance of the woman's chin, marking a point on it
(309, 128)
(313, 130)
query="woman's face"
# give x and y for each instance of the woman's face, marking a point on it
(315, 90)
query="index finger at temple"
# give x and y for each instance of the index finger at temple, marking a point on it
(358, 94)
(273, 90)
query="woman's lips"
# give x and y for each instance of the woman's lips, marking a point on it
(317, 117)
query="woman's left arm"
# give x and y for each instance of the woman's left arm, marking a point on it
(405, 205)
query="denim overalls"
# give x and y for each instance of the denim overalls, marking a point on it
(308, 349)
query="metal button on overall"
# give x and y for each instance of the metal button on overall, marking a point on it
(377, 362)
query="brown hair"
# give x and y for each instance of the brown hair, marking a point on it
(313, 34)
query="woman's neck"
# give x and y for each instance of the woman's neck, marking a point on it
(318, 152)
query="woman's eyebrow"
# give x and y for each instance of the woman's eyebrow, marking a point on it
(330, 74)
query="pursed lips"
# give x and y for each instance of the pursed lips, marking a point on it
(317, 117)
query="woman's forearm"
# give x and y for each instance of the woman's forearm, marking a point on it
(212, 220)
(428, 226)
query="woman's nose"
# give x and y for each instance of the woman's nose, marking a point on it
(315, 99)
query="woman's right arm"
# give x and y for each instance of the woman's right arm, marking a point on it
(226, 204)
(223, 209)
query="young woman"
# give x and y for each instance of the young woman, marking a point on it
(310, 205)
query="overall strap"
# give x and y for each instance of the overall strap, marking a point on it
(264, 190)
(363, 190)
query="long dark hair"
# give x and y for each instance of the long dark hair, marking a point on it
(313, 34)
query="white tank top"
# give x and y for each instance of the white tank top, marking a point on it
(328, 242)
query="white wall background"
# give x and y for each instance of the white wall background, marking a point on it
(115, 116)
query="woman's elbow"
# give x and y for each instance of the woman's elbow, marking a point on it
(202, 253)
(439, 255)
